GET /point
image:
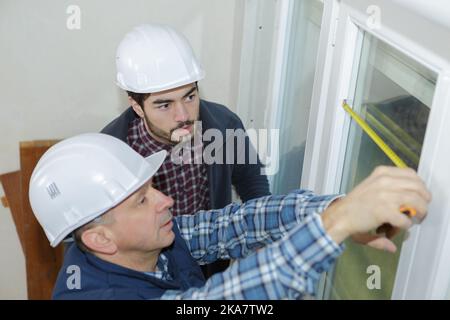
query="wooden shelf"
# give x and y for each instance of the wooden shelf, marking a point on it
(42, 261)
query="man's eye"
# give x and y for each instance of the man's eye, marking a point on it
(162, 107)
(191, 97)
(142, 201)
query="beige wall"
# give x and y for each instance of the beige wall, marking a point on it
(57, 82)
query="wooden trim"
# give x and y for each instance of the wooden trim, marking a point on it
(42, 261)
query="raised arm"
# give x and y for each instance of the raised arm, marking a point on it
(237, 230)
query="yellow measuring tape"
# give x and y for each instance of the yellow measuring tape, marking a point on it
(375, 137)
(383, 146)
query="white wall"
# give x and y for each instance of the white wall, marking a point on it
(57, 82)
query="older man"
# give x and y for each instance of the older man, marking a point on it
(129, 245)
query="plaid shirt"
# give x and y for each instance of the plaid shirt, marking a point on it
(289, 268)
(186, 183)
(162, 269)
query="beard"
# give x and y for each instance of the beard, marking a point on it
(164, 136)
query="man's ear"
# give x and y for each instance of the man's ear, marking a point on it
(136, 107)
(98, 239)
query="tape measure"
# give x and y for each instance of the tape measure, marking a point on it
(375, 137)
(411, 212)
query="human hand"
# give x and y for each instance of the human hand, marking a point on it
(376, 201)
(376, 241)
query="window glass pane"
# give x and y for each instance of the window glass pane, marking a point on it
(393, 94)
(296, 101)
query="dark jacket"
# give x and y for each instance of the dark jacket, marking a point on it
(246, 178)
(83, 276)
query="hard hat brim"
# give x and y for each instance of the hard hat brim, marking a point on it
(156, 160)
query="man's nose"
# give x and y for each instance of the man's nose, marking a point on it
(163, 202)
(181, 113)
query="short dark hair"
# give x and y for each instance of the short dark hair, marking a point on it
(139, 97)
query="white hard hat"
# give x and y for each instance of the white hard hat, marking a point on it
(80, 178)
(153, 58)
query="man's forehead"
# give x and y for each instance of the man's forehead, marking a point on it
(146, 185)
(142, 189)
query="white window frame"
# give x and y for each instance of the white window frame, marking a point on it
(424, 268)
(266, 37)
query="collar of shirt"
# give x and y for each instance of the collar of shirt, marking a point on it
(162, 269)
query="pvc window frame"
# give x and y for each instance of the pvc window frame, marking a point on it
(423, 269)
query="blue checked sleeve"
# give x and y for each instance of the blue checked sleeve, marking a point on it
(287, 269)
(238, 230)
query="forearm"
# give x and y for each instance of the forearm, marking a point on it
(288, 268)
(238, 230)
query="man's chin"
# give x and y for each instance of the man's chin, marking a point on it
(171, 240)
